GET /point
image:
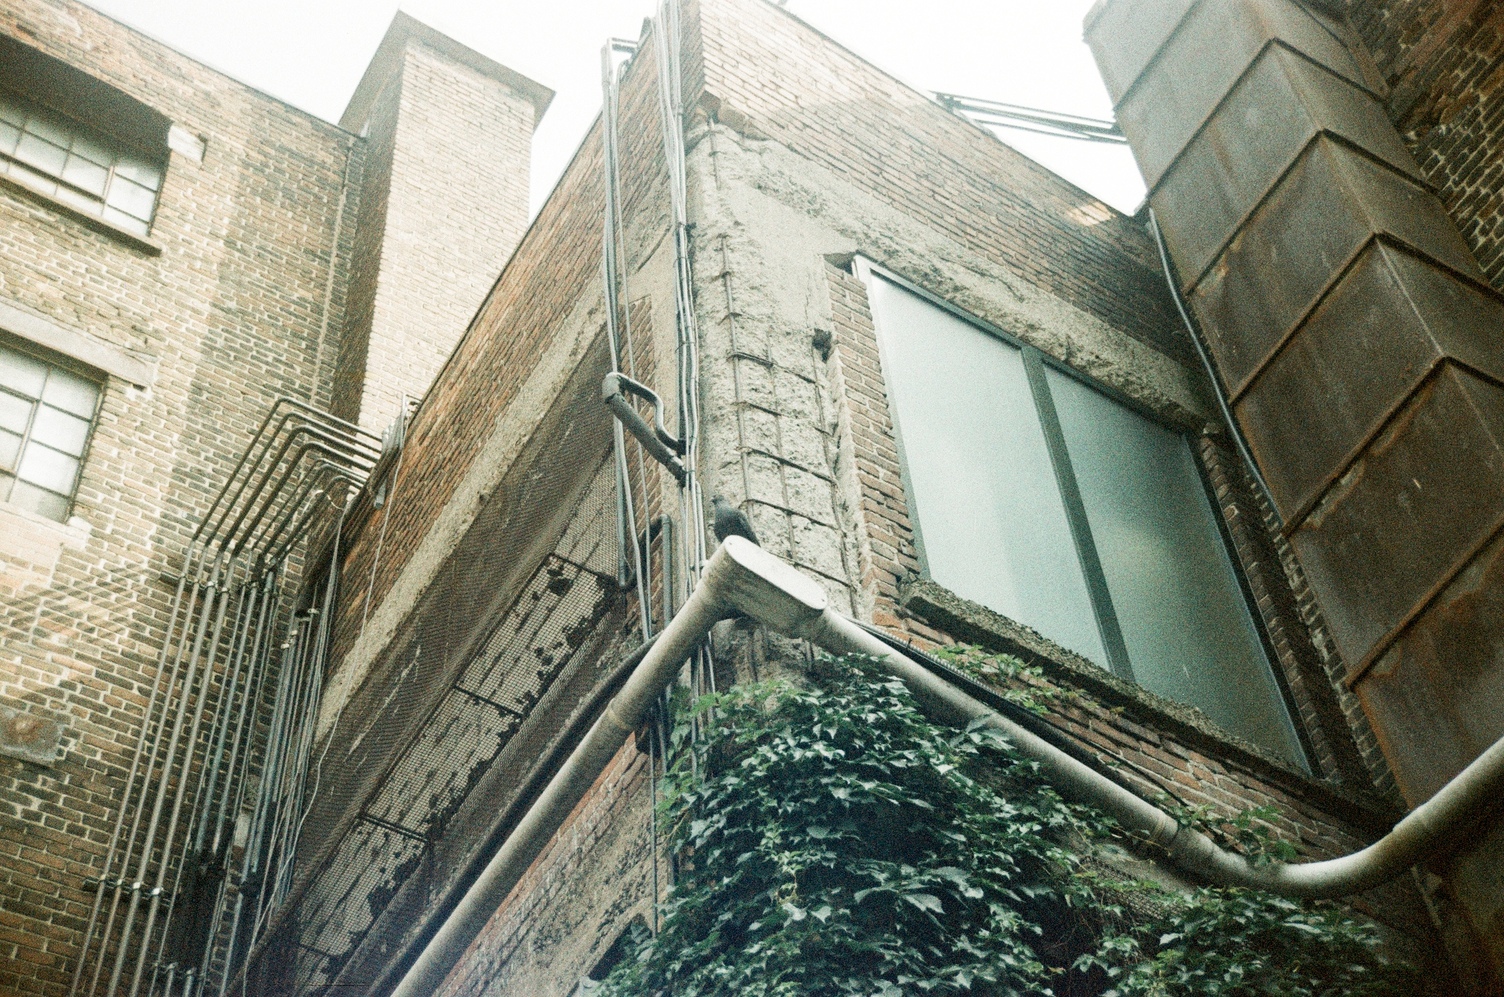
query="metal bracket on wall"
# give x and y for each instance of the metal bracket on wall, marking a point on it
(665, 447)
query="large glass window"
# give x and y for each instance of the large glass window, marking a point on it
(87, 171)
(1040, 496)
(46, 415)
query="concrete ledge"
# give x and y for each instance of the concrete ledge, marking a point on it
(80, 346)
(94, 222)
(973, 623)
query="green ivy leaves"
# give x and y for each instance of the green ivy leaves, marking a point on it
(831, 840)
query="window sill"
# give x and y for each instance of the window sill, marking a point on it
(968, 621)
(137, 242)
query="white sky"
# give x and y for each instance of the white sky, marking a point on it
(311, 53)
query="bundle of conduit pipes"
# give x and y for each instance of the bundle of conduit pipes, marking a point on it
(233, 703)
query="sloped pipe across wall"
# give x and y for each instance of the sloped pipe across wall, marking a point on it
(743, 579)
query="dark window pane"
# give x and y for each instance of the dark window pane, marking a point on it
(21, 373)
(50, 127)
(41, 154)
(91, 150)
(1187, 626)
(47, 468)
(131, 198)
(990, 518)
(139, 171)
(10, 449)
(89, 177)
(71, 393)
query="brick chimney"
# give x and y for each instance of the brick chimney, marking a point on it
(443, 201)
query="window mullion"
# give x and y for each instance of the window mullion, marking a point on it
(1075, 514)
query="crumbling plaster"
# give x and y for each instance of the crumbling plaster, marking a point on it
(765, 222)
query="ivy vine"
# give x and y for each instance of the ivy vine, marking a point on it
(831, 840)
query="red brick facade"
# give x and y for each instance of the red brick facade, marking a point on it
(799, 138)
(1442, 62)
(231, 299)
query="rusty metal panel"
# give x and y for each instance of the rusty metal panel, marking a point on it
(1124, 35)
(1326, 207)
(1213, 46)
(1266, 121)
(1358, 356)
(1437, 696)
(1425, 493)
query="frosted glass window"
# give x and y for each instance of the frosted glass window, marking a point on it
(46, 414)
(992, 525)
(53, 155)
(1185, 621)
(1050, 502)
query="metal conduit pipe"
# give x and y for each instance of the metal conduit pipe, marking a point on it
(741, 577)
(186, 781)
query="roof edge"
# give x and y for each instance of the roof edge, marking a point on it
(387, 61)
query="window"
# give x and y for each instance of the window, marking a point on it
(84, 169)
(1047, 500)
(46, 415)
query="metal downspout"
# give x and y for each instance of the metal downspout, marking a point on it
(743, 578)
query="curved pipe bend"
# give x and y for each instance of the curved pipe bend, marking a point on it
(741, 577)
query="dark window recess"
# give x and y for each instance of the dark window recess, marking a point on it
(79, 141)
(619, 950)
(1046, 499)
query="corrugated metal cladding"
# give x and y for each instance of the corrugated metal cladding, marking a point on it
(1362, 350)
(499, 654)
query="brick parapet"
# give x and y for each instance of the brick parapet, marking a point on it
(767, 74)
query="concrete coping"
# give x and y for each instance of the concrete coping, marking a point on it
(81, 346)
(388, 61)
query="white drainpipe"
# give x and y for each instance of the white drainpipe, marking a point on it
(741, 578)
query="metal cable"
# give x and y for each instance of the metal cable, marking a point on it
(1211, 374)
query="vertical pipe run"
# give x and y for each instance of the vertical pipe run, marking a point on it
(198, 743)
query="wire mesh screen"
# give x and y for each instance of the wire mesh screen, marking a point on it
(514, 608)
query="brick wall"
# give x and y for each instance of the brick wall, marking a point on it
(769, 72)
(231, 299)
(1443, 64)
(444, 206)
(1165, 748)
(798, 152)
(586, 887)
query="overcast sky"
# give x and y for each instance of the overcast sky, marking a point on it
(311, 53)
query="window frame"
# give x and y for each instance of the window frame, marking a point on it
(84, 203)
(1035, 361)
(80, 370)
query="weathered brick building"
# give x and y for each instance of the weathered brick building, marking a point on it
(942, 382)
(146, 329)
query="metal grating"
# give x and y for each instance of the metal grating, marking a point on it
(520, 605)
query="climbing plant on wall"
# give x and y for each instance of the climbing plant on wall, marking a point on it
(830, 840)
